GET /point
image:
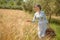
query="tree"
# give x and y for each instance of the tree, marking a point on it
(57, 10)
(19, 2)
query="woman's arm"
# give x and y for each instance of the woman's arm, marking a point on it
(32, 20)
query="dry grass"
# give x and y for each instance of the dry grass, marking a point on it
(13, 26)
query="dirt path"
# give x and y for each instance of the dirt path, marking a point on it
(56, 17)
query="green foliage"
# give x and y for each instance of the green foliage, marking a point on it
(19, 2)
(11, 4)
(50, 7)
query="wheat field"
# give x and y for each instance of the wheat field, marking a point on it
(13, 25)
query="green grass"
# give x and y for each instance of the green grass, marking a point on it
(56, 27)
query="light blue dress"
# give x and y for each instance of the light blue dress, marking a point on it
(42, 23)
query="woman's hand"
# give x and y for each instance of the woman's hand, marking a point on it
(29, 21)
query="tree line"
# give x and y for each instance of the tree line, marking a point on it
(49, 6)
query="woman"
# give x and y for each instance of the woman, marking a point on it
(42, 21)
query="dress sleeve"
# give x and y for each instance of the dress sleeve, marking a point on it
(43, 17)
(34, 18)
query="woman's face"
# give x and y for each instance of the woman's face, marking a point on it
(36, 8)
